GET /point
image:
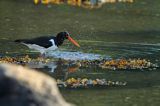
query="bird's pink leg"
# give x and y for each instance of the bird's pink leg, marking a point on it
(43, 55)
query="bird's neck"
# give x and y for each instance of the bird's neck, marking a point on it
(59, 41)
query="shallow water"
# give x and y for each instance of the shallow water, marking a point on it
(75, 55)
(119, 31)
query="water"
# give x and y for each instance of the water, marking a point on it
(74, 55)
(113, 31)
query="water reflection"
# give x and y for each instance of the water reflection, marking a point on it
(59, 69)
(64, 70)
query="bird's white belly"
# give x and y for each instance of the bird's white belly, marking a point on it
(53, 47)
(42, 50)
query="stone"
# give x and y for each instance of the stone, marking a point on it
(20, 86)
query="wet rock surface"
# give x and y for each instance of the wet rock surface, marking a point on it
(20, 86)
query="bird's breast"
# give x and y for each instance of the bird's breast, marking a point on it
(54, 46)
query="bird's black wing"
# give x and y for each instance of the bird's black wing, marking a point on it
(41, 41)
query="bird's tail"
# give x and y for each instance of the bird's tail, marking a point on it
(18, 40)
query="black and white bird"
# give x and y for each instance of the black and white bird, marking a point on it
(47, 43)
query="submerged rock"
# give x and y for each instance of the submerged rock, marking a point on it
(20, 86)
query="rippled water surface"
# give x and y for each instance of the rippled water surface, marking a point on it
(112, 32)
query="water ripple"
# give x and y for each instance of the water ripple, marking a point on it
(76, 55)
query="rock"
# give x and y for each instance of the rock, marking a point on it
(20, 86)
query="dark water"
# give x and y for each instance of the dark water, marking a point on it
(113, 31)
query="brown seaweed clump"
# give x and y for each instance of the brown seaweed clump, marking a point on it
(23, 60)
(112, 64)
(115, 64)
(128, 64)
(88, 83)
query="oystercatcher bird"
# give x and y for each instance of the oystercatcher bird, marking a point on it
(47, 43)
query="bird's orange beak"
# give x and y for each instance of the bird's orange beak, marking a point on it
(73, 41)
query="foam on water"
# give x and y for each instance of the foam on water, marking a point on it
(76, 55)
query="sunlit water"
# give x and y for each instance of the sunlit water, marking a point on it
(143, 82)
(121, 31)
(74, 55)
(60, 69)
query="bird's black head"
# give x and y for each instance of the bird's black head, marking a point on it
(61, 37)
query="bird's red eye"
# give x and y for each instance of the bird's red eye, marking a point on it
(67, 35)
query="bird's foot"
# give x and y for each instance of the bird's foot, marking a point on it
(43, 55)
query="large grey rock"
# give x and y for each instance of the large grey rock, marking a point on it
(20, 86)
